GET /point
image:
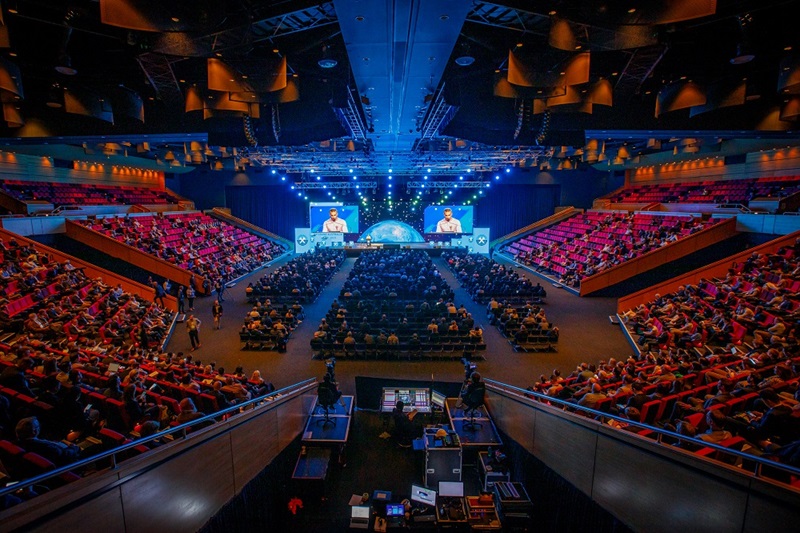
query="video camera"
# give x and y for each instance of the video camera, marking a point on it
(469, 368)
(330, 367)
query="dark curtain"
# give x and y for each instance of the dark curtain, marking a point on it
(271, 207)
(510, 207)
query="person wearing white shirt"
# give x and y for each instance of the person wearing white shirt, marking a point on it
(448, 224)
(334, 224)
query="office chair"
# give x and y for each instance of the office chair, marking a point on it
(326, 401)
(472, 402)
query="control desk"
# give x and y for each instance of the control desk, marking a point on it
(414, 399)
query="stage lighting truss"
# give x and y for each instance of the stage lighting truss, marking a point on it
(445, 185)
(335, 185)
(334, 159)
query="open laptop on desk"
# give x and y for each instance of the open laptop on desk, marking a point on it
(425, 508)
(359, 516)
(395, 513)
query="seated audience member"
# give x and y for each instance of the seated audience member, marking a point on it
(716, 432)
(27, 431)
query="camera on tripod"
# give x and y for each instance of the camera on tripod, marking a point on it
(469, 368)
(330, 367)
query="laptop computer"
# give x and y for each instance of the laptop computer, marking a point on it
(395, 512)
(359, 516)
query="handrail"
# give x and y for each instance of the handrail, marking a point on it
(296, 388)
(759, 462)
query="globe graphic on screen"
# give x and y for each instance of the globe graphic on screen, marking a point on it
(391, 231)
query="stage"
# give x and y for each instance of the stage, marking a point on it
(433, 249)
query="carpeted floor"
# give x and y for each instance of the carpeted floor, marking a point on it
(586, 335)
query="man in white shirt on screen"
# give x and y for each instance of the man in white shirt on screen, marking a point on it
(334, 224)
(448, 224)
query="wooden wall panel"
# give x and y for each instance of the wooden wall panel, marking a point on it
(771, 509)
(292, 420)
(254, 444)
(566, 447)
(718, 269)
(514, 418)
(658, 257)
(105, 511)
(182, 493)
(651, 493)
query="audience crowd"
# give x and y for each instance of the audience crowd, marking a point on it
(589, 243)
(85, 193)
(269, 324)
(739, 191)
(395, 301)
(208, 247)
(512, 301)
(699, 375)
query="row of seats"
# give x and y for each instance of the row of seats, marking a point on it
(589, 243)
(204, 245)
(701, 192)
(60, 194)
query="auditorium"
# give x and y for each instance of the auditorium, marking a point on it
(435, 265)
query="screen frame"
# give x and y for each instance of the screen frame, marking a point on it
(415, 489)
(433, 213)
(451, 493)
(439, 394)
(323, 215)
(396, 507)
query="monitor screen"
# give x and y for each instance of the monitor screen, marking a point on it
(394, 509)
(359, 511)
(448, 219)
(423, 495)
(322, 220)
(451, 489)
(437, 398)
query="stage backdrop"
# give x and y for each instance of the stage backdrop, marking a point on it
(509, 207)
(271, 207)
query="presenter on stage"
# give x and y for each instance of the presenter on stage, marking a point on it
(448, 224)
(334, 224)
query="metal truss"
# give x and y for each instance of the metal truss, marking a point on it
(350, 118)
(158, 69)
(446, 184)
(335, 185)
(640, 65)
(262, 26)
(443, 157)
(439, 115)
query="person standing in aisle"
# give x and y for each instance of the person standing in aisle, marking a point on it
(181, 299)
(193, 327)
(216, 312)
(190, 294)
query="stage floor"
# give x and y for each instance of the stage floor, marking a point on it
(482, 435)
(336, 431)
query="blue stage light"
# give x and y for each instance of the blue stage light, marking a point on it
(319, 178)
(273, 171)
(496, 177)
(283, 178)
(508, 170)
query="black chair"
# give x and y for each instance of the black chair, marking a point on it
(326, 401)
(472, 402)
